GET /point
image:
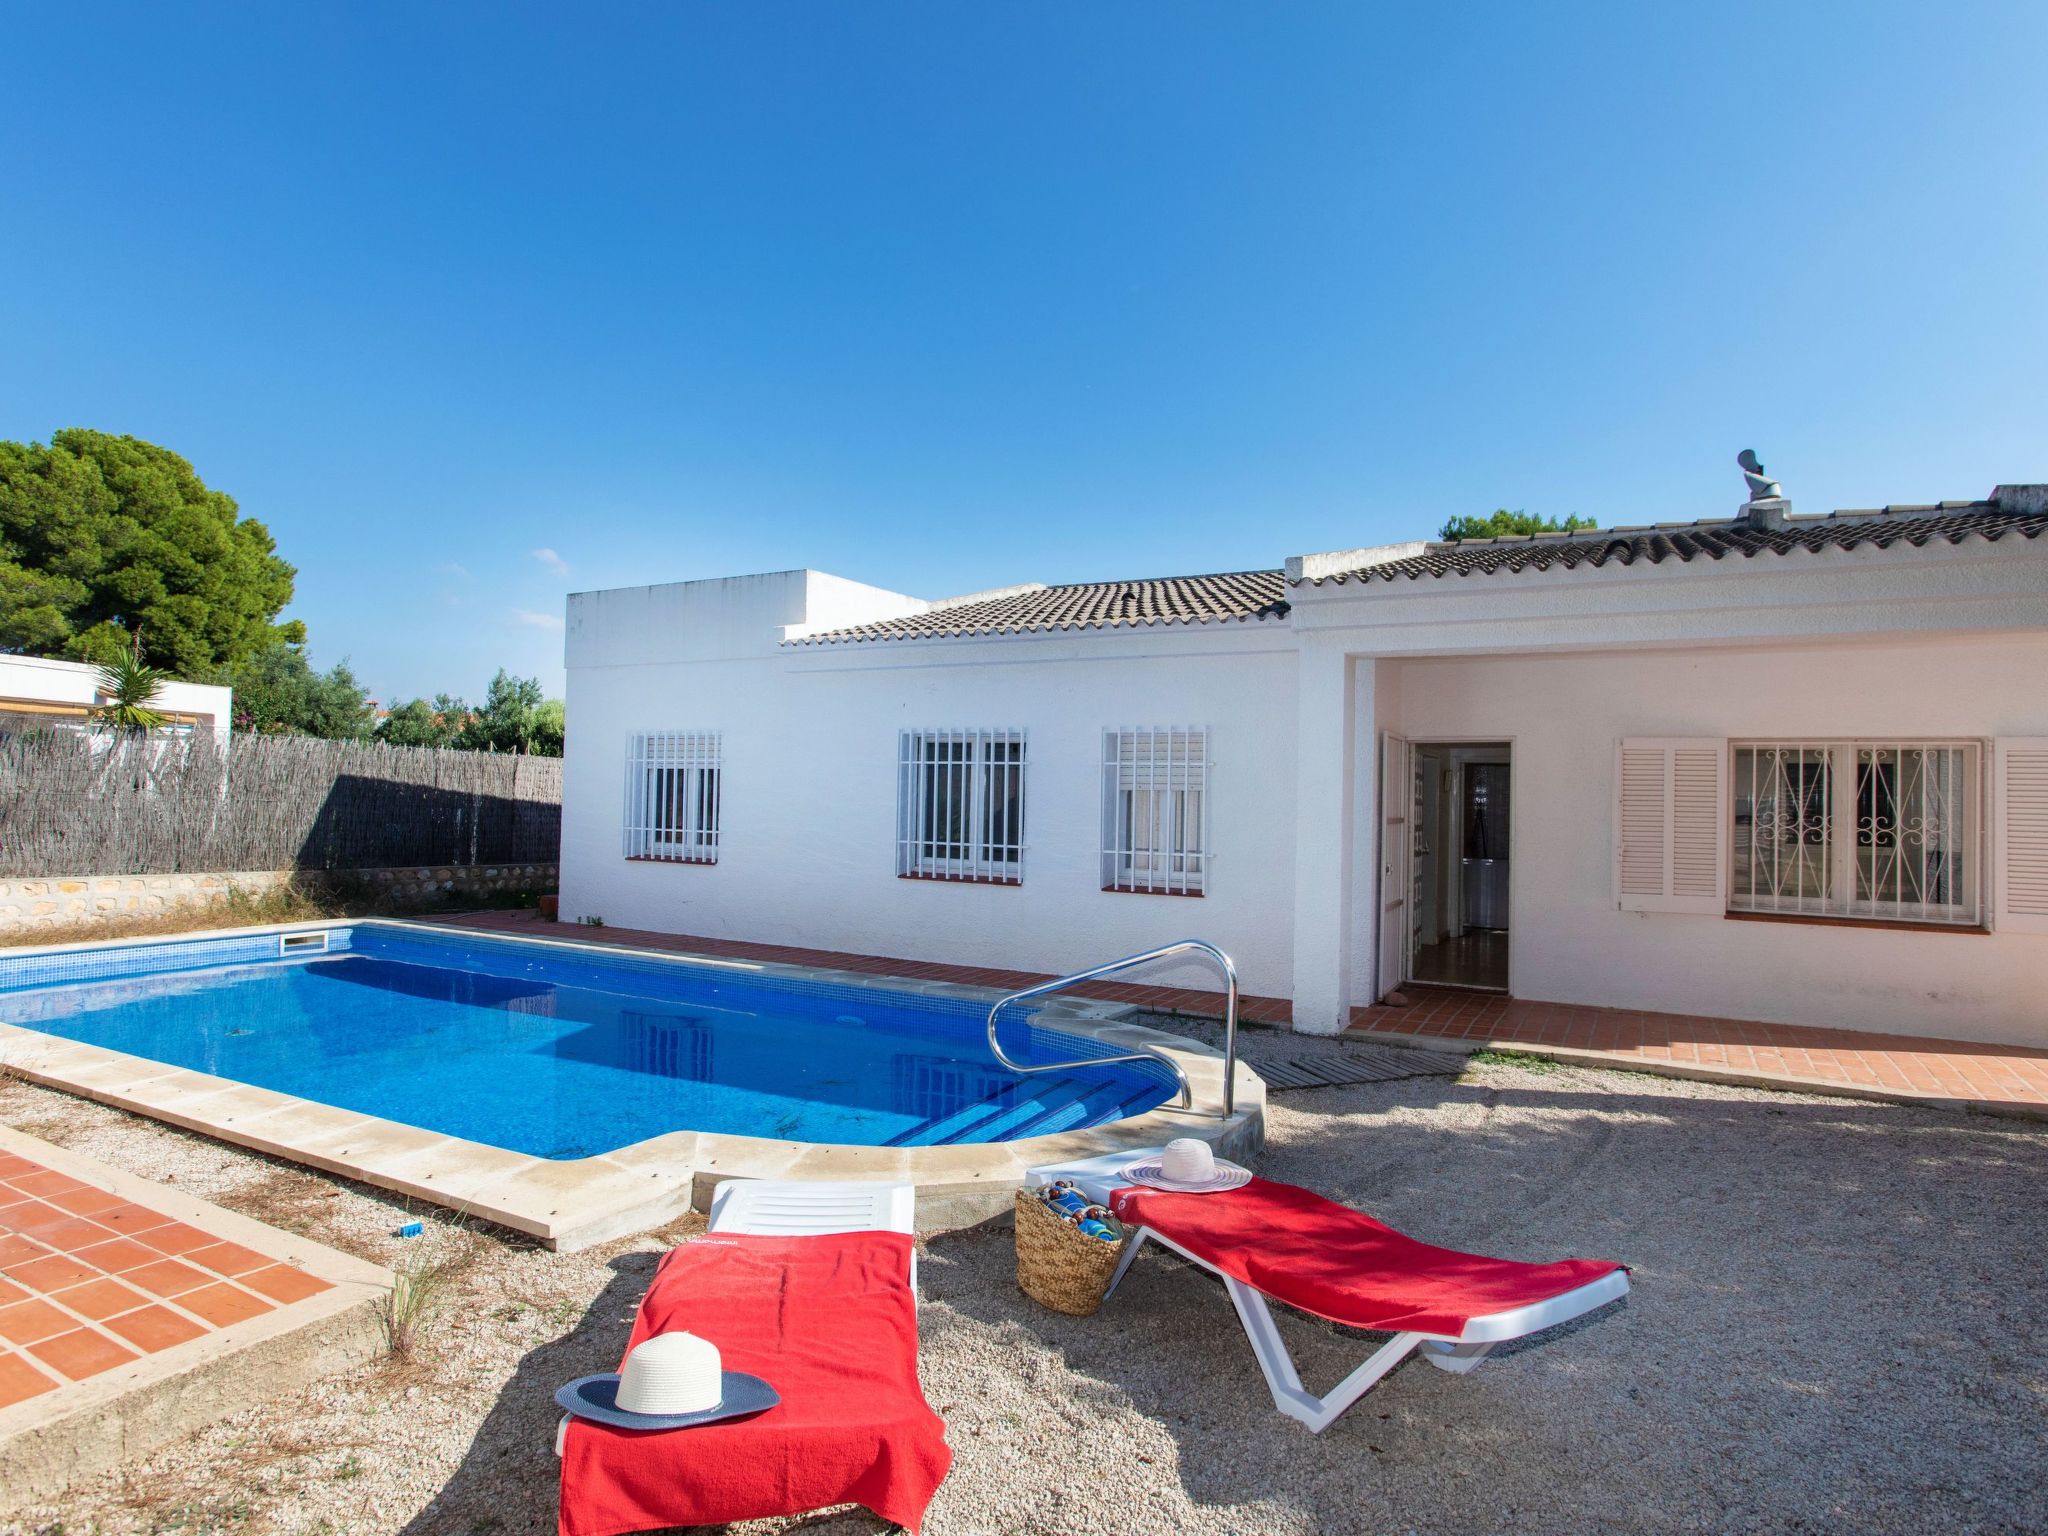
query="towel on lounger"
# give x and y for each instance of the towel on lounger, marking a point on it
(1340, 1264)
(831, 1324)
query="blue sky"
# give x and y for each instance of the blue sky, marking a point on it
(950, 296)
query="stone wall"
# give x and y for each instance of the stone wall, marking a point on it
(62, 902)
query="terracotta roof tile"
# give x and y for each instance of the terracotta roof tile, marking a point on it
(1237, 595)
(1948, 522)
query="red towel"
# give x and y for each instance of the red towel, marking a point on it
(1342, 1265)
(831, 1324)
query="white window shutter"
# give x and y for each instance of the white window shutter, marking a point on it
(1671, 824)
(2020, 833)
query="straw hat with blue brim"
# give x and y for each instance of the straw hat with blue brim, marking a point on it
(671, 1381)
(1188, 1166)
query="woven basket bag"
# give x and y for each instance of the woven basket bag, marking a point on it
(1058, 1265)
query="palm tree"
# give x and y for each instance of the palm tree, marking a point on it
(129, 687)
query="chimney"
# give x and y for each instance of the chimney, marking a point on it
(1767, 505)
(1764, 511)
(2021, 498)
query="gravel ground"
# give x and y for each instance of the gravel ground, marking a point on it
(1835, 1325)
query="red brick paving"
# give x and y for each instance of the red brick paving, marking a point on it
(90, 1281)
(1797, 1055)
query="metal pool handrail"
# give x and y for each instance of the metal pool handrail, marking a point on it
(1187, 1092)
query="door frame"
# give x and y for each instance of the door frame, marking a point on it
(1400, 963)
(1392, 931)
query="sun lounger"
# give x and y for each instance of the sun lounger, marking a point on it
(1281, 1242)
(811, 1287)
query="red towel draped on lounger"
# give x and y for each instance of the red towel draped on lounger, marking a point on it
(1342, 1265)
(831, 1324)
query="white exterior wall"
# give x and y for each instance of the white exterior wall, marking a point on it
(810, 744)
(73, 684)
(1941, 641)
(1567, 940)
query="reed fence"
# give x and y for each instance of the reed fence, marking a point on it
(73, 802)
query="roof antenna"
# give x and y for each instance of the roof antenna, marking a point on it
(1767, 506)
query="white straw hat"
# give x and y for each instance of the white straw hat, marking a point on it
(670, 1381)
(1188, 1166)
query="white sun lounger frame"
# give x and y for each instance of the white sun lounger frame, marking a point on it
(815, 1208)
(1457, 1353)
(797, 1208)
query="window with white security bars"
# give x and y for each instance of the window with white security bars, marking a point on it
(960, 806)
(674, 783)
(1858, 829)
(1155, 809)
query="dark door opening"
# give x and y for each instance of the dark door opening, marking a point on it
(1463, 821)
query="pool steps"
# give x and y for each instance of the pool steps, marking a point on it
(1000, 1116)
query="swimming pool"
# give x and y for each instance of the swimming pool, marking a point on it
(563, 1053)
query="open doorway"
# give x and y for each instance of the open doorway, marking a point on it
(1463, 811)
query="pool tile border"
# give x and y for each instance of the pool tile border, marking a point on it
(569, 1204)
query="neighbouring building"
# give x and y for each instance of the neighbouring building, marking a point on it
(64, 692)
(1770, 767)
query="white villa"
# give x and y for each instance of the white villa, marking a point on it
(66, 692)
(1772, 767)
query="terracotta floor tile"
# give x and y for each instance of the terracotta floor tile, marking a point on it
(88, 1201)
(44, 1183)
(12, 1163)
(283, 1283)
(32, 1221)
(20, 1380)
(167, 1277)
(81, 1353)
(228, 1259)
(27, 1321)
(16, 1249)
(51, 1274)
(10, 1293)
(175, 1237)
(98, 1300)
(118, 1253)
(131, 1220)
(221, 1304)
(154, 1328)
(71, 1233)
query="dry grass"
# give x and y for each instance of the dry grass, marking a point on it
(25, 1107)
(235, 908)
(170, 1502)
(300, 900)
(426, 1276)
(689, 1224)
(291, 1200)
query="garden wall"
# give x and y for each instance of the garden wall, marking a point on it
(65, 901)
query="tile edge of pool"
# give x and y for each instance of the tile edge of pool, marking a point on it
(574, 1203)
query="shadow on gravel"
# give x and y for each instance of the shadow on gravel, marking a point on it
(1796, 1266)
(506, 1485)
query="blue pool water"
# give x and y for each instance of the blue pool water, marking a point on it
(563, 1054)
